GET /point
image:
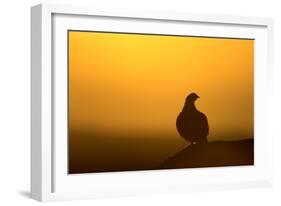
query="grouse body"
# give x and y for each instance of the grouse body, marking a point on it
(192, 124)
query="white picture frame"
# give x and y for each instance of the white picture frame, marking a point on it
(49, 178)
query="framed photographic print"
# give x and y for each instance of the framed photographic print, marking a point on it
(137, 102)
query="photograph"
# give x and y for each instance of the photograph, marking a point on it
(147, 101)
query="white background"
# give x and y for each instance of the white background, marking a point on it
(15, 102)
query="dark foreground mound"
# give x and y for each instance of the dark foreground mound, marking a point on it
(219, 153)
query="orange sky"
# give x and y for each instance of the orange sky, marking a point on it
(137, 84)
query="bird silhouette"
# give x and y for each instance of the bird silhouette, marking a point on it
(192, 124)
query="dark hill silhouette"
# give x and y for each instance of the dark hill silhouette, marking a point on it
(219, 153)
(192, 124)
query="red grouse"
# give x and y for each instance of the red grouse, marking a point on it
(192, 124)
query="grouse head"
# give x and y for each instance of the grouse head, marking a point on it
(190, 99)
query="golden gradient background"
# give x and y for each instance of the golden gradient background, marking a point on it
(130, 86)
